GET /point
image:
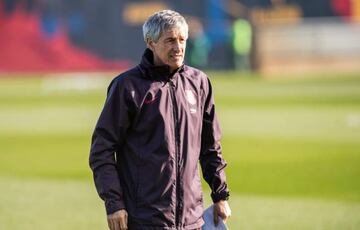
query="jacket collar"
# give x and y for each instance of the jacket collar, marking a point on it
(149, 70)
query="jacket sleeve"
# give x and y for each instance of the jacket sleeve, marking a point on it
(211, 160)
(108, 135)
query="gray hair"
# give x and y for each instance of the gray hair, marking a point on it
(162, 21)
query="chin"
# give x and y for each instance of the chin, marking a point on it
(175, 65)
(178, 64)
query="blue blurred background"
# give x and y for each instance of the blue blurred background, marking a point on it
(261, 35)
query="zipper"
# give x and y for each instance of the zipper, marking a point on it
(177, 155)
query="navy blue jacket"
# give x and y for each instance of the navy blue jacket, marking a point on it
(153, 130)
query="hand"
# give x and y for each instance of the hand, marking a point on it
(118, 220)
(222, 210)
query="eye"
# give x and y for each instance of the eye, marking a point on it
(170, 40)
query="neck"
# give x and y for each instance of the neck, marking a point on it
(158, 62)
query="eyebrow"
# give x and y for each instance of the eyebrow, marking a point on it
(174, 37)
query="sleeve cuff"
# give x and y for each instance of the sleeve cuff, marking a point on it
(113, 206)
(216, 197)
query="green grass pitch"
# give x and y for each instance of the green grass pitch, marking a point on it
(292, 147)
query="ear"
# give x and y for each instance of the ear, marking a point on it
(150, 44)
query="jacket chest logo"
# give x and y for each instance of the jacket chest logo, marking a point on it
(190, 97)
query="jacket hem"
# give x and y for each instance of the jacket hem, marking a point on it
(196, 225)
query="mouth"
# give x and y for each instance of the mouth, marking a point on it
(177, 56)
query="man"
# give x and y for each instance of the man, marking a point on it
(158, 121)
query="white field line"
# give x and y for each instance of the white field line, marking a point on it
(353, 120)
(78, 82)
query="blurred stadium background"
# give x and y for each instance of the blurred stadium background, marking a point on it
(286, 75)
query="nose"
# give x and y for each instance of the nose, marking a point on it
(177, 46)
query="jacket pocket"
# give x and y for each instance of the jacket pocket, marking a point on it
(195, 201)
(154, 195)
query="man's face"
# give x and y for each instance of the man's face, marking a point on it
(170, 48)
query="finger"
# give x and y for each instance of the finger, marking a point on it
(126, 221)
(216, 217)
(109, 224)
(122, 226)
(122, 223)
(116, 224)
(113, 224)
(225, 218)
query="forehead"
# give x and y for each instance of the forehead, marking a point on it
(173, 33)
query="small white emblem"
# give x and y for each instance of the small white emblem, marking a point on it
(192, 110)
(190, 97)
